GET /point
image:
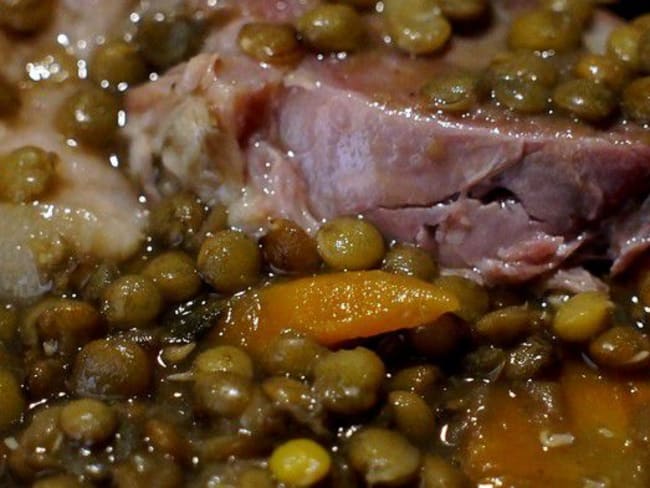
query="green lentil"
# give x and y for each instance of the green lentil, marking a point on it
(289, 249)
(348, 381)
(452, 92)
(117, 62)
(585, 99)
(131, 301)
(417, 26)
(383, 457)
(541, 30)
(166, 39)
(175, 276)
(270, 42)
(332, 28)
(636, 100)
(349, 243)
(90, 116)
(26, 173)
(229, 261)
(88, 421)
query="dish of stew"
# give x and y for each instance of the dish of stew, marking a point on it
(309, 243)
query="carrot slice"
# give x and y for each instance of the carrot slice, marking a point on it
(333, 308)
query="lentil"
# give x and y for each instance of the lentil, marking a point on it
(88, 421)
(175, 276)
(349, 243)
(331, 28)
(636, 100)
(117, 62)
(89, 116)
(348, 381)
(108, 368)
(269, 43)
(383, 456)
(299, 462)
(585, 99)
(289, 249)
(417, 26)
(131, 301)
(165, 39)
(229, 261)
(26, 173)
(582, 317)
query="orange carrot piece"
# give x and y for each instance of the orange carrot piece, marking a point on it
(333, 308)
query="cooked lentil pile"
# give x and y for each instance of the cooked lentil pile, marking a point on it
(218, 359)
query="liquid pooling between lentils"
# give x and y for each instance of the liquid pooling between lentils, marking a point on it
(215, 358)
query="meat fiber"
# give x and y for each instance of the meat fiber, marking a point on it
(507, 196)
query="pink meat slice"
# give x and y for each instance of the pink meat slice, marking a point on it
(348, 136)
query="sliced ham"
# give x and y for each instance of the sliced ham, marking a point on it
(508, 196)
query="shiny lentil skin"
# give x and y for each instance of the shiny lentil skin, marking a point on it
(269, 42)
(452, 92)
(348, 381)
(165, 39)
(89, 116)
(299, 462)
(222, 393)
(227, 359)
(504, 325)
(349, 243)
(175, 275)
(417, 26)
(602, 69)
(26, 173)
(436, 472)
(229, 261)
(290, 249)
(522, 65)
(522, 96)
(585, 99)
(412, 416)
(464, 10)
(582, 317)
(411, 261)
(621, 348)
(131, 301)
(636, 100)
(383, 457)
(177, 219)
(117, 62)
(88, 421)
(111, 368)
(623, 45)
(59, 481)
(331, 28)
(292, 355)
(541, 30)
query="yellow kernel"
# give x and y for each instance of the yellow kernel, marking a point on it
(300, 462)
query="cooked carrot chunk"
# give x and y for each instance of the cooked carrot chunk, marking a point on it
(333, 308)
